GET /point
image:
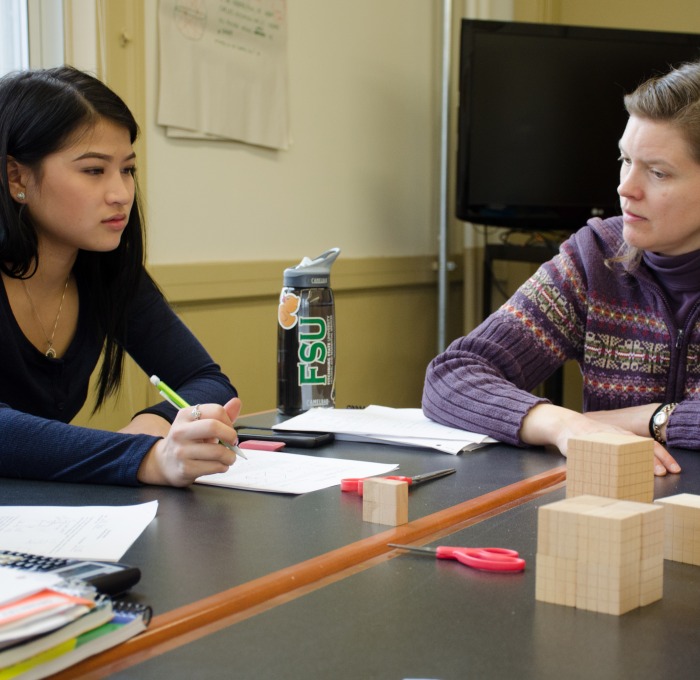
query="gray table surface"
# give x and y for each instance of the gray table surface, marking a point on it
(206, 539)
(415, 617)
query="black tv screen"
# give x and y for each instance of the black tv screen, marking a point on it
(540, 116)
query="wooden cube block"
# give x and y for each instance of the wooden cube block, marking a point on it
(385, 501)
(558, 524)
(682, 527)
(612, 465)
(600, 554)
(555, 580)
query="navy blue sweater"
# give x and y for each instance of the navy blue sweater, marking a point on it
(40, 396)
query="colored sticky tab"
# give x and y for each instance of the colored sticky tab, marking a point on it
(261, 445)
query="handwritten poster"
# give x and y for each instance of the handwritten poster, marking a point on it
(223, 70)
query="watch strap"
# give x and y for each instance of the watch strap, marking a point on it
(651, 420)
(666, 409)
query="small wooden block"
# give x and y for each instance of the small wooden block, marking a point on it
(385, 501)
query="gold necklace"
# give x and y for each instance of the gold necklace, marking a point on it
(50, 352)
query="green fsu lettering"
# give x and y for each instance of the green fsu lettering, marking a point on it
(312, 350)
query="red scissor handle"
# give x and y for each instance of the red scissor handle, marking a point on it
(355, 483)
(486, 559)
(349, 484)
(401, 478)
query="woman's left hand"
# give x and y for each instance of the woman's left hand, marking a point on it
(635, 419)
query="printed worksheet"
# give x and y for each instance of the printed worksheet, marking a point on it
(279, 472)
(101, 533)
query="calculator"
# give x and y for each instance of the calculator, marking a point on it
(111, 578)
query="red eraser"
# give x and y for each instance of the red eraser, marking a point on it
(260, 445)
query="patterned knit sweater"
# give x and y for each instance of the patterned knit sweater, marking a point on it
(618, 325)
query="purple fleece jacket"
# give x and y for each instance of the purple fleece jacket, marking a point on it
(619, 326)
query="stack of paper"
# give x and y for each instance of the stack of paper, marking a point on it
(402, 426)
(47, 624)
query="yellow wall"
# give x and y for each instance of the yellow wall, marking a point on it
(385, 317)
(386, 329)
(362, 173)
(225, 219)
(670, 15)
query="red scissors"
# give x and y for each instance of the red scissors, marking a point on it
(486, 559)
(355, 483)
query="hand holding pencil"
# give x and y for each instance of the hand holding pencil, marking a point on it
(178, 402)
(200, 442)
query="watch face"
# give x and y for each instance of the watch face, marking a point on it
(660, 418)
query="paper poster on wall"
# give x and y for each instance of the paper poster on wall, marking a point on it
(223, 70)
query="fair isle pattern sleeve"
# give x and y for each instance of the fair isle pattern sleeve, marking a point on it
(483, 381)
(616, 325)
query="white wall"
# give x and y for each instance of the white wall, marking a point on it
(361, 171)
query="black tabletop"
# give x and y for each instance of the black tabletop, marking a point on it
(412, 616)
(206, 539)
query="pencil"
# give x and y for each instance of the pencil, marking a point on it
(178, 402)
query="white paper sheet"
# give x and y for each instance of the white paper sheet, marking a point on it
(280, 472)
(87, 533)
(223, 70)
(16, 583)
(404, 426)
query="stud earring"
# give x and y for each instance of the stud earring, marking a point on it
(21, 195)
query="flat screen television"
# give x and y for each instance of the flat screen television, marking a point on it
(540, 116)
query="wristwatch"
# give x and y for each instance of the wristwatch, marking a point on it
(659, 419)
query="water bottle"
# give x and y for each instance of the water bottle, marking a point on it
(306, 336)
